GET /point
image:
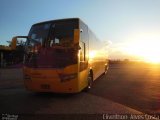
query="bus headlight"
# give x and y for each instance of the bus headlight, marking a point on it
(67, 77)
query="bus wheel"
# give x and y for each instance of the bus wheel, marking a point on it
(90, 82)
(106, 69)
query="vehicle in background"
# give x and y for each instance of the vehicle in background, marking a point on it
(13, 54)
(62, 56)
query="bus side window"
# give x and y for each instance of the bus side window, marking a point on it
(82, 51)
(56, 41)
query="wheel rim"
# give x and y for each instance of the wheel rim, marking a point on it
(89, 82)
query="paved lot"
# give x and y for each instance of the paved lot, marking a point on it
(133, 85)
(10, 78)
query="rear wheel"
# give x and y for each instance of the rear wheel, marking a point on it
(106, 69)
(90, 81)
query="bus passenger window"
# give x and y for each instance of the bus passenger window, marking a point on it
(56, 41)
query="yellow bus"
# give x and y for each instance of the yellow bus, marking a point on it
(62, 56)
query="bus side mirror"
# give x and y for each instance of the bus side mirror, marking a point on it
(76, 36)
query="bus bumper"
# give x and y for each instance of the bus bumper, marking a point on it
(56, 81)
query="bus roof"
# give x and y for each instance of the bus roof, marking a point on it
(57, 20)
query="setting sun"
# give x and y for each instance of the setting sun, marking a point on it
(145, 47)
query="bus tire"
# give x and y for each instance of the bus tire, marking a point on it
(105, 69)
(90, 82)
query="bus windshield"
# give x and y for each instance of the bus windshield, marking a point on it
(61, 34)
(38, 34)
(51, 34)
(51, 45)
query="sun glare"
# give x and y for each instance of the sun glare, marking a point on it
(146, 48)
(92, 54)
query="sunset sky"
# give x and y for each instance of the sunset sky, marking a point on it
(131, 27)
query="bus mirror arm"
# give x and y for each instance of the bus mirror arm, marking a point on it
(79, 47)
(76, 46)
